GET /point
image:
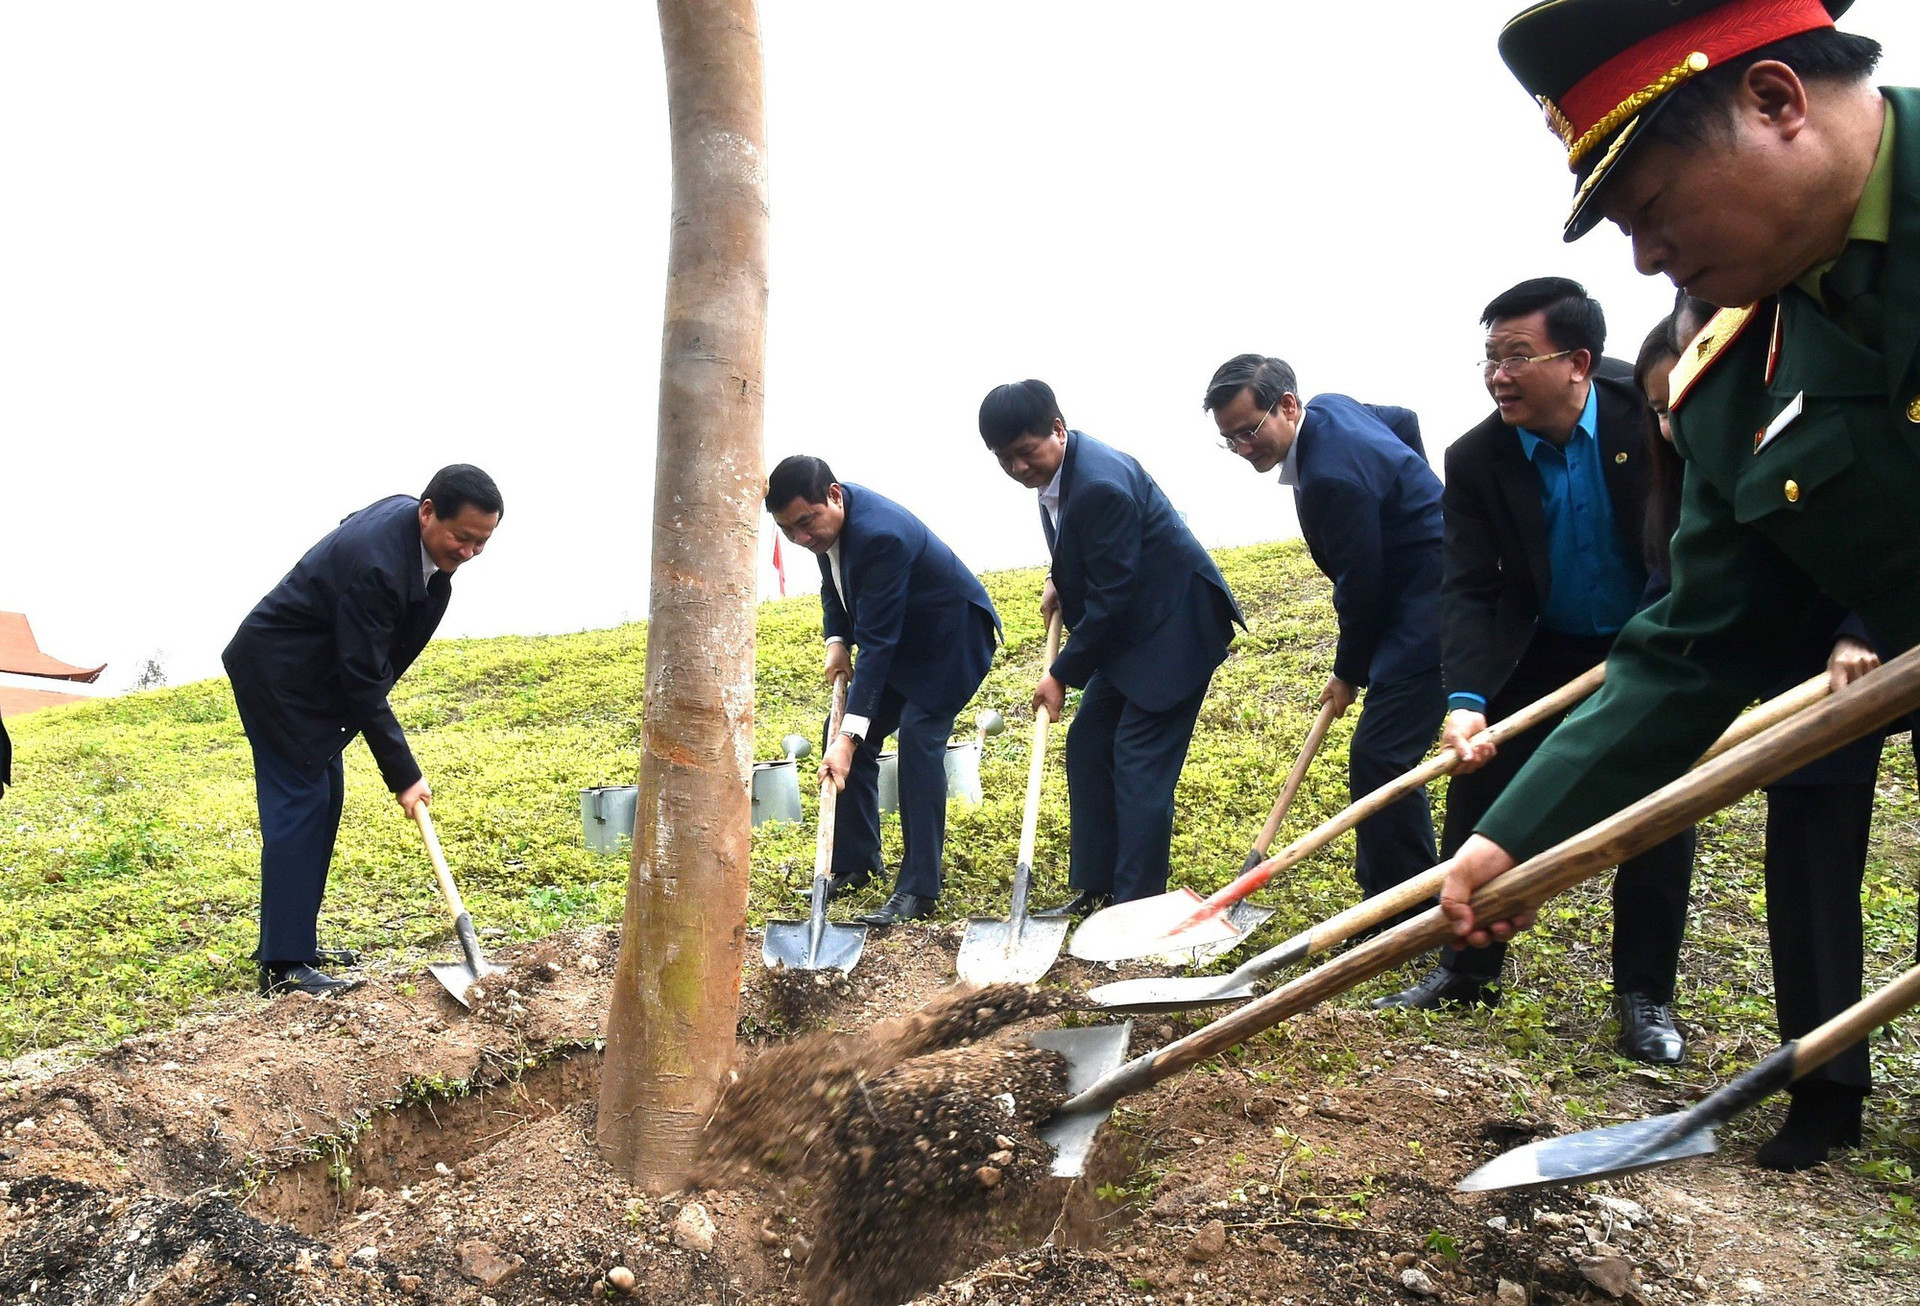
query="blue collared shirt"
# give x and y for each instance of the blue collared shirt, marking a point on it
(1596, 586)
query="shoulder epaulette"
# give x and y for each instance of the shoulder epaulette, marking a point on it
(1700, 353)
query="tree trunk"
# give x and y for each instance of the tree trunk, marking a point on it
(670, 1028)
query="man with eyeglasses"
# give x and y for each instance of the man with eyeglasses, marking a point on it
(1546, 507)
(1369, 509)
(1148, 617)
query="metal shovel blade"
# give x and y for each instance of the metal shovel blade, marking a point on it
(1146, 927)
(1092, 1054)
(787, 944)
(456, 976)
(1162, 993)
(993, 951)
(1589, 1155)
(1244, 916)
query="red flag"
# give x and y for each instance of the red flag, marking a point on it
(779, 567)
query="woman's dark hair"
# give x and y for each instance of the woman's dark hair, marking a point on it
(1665, 467)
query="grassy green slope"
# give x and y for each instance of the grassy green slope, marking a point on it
(128, 848)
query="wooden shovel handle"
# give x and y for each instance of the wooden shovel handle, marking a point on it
(1308, 751)
(424, 820)
(1037, 759)
(829, 796)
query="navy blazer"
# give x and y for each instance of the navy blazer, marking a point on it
(1143, 600)
(1498, 565)
(1369, 508)
(313, 662)
(910, 608)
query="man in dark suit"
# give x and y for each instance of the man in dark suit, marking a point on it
(1150, 618)
(311, 667)
(1546, 508)
(925, 630)
(1369, 507)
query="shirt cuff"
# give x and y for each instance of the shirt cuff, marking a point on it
(1466, 703)
(836, 639)
(856, 725)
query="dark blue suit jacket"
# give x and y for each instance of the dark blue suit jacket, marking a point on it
(911, 609)
(1144, 602)
(313, 662)
(1369, 507)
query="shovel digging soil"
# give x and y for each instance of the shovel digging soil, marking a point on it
(1643, 1144)
(1167, 993)
(1891, 692)
(1020, 949)
(456, 977)
(817, 943)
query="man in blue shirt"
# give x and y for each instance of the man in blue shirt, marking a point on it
(1546, 507)
(1369, 507)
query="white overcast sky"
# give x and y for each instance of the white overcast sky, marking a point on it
(262, 263)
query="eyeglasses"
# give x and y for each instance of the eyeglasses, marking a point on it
(1243, 439)
(1517, 364)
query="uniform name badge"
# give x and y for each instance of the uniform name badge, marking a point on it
(1764, 438)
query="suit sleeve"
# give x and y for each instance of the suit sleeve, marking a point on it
(885, 569)
(1469, 588)
(365, 619)
(1403, 422)
(1677, 675)
(1347, 535)
(1107, 520)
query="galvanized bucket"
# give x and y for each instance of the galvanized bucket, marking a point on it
(963, 772)
(606, 816)
(889, 782)
(776, 791)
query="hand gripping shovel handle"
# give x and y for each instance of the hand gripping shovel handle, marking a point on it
(823, 845)
(462, 923)
(1256, 877)
(1308, 751)
(1030, 814)
(1410, 893)
(1891, 692)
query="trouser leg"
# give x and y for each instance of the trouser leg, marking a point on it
(299, 819)
(1149, 748)
(1816, 855)
(1650, 917)
(1090, 787)
(1398, 722)
(923, 798)
(856, 813)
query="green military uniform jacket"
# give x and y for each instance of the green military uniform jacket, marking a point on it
(1828, 501)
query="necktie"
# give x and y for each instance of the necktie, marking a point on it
(1852, 292)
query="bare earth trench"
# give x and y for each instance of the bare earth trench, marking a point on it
(389, 1147)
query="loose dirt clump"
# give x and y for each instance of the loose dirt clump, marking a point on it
(921, 1155)
(801, 1000)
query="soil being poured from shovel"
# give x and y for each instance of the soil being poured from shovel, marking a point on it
(912, 1132)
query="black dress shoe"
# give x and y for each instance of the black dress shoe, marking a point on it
(336, 957)
(1084, 903)
(1647, 1032)
(900, 907)
(1822, 1116)
(299, 977)
(838, 883)
(1442, 988)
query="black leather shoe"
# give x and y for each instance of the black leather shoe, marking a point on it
(1440, 989)
(1822, 1117)
(900, 907)
(838, 884)
(1084, 903)
(301, 978)
(1647, 1032)
(336, 957)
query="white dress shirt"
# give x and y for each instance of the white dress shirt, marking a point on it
(850, 724)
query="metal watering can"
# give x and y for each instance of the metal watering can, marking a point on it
(961, 764)
(776, 784)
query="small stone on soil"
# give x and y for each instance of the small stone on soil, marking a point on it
(693, 1228)
(1417, 1283)
(1209, 1242)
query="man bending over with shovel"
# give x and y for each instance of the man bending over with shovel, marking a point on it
(1150, 618)
(311, 667)
(1743, 148)
(925, 630)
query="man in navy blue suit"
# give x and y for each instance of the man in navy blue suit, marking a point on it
(1369, 507)
(1150, 618)
(311, 667)
(925, 630)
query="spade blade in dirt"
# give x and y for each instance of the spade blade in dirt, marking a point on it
(1017, 951)
(1592, 1154)
(454, 976)
(1092, 1054)
(791, 944)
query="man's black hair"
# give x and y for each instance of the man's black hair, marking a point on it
(1268, 378)
(1574, 319)
(801, 476)
(1016, 409)
(1697, 109)
(454, 487)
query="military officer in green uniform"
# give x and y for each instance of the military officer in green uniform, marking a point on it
(1743, 148)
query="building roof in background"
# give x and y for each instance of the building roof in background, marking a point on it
(20, 653)
(15, 701)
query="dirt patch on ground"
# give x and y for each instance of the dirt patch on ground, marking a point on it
(389, 1147)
